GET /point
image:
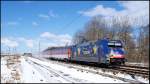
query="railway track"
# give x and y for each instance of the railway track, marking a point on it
(82, 69)
(128, 69)
(134, 70)
(140, 67)
(55, 72)
(131, 70)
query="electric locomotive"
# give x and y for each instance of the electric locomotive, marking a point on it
(102, 51)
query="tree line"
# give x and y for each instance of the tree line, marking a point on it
(135, 39)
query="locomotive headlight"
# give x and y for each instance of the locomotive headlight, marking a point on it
(111, 56)
(107, 57)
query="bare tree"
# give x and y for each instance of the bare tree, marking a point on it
(143, 44)
(118, 28)
(121, 29)
(96, 28)
(78, 37)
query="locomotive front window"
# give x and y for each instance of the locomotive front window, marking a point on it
(114, 44)
(118, 44)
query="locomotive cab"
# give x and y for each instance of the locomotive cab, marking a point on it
(116, 52)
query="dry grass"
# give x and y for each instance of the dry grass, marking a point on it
(12, 64)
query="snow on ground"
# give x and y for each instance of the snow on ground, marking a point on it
(32, 70)
(5, 71)
(76, 76)
(10, 71)
(30, 74)
(86, 75)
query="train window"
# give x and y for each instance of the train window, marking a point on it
(111, 43)
(114, 44)
(118, 44)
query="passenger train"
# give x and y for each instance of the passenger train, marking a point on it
(102, 51)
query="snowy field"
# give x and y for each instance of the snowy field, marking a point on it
(32, 70)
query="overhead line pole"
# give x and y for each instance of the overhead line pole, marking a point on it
(39, 48)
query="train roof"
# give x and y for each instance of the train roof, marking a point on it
(56, 47)
(92, 42)
(86, 43)
(82, 44)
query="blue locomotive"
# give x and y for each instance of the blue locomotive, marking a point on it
(103, 51)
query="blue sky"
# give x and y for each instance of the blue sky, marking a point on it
(27, 12)
(25, 22)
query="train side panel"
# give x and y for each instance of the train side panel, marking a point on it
(57, 53)
(103, 51)
(96, 52)
(85, 52)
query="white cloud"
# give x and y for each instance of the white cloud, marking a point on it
(61, 39)
(47, 35)
(35, 24)
(135, 5)
(29, 43)
(9, 43)
(14, 41)
(50, 14)
(99, 10)
(137, 11)
(46, 39)
(44, 16)
(12, 23)
(21, 39)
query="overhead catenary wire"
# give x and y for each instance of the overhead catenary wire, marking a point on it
(66, 26)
